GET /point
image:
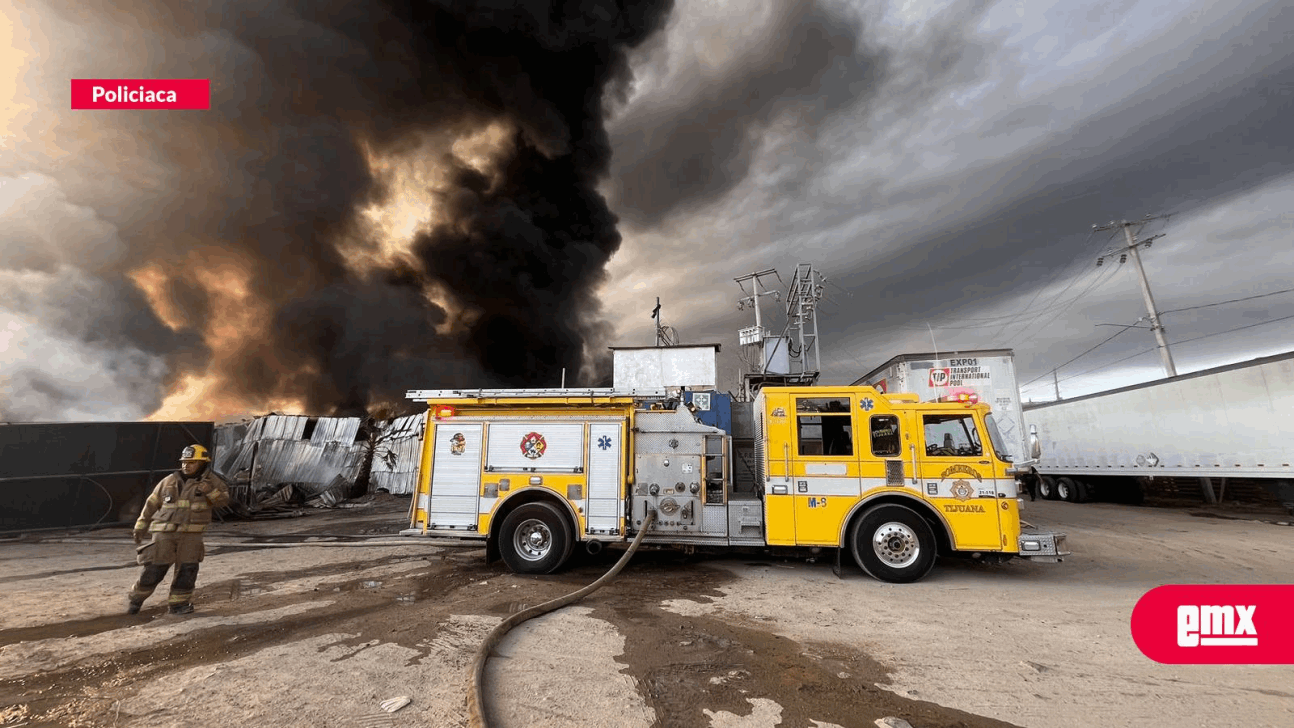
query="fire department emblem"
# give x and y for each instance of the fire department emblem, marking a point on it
(962, 490)
(533, 445)
(457, 444)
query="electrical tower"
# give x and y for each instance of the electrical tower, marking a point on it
(785, 359)
(1130, 236)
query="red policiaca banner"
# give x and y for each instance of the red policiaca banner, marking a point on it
(141, 93)
(1216, 624)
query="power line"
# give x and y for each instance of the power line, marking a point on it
(1036, 293)
(964, 323)
(1183, 341)
(1238, 328)
(1107, 366)
(1096, 282)
(994, 321)
(1080, 356)
(1221, 303)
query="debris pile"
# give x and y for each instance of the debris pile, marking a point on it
(277, 465)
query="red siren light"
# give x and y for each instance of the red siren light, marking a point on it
(966, 398)
(443, 411)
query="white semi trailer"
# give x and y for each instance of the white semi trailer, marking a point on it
(1231, 424)
(987, 374)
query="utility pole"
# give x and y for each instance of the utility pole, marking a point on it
(665, 335)
(1056, 383)
(1133, 245)
(753, 300)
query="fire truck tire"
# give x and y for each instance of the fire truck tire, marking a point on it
(893, 543)
(535, 539)
(1047, 487)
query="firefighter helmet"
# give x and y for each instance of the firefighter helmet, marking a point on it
(195, 453)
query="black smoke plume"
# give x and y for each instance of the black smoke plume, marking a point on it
(273, 177)
(524, 245)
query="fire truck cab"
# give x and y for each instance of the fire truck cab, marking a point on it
(886, 480)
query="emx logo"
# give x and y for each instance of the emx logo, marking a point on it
(1235, 624)
(1216, 625)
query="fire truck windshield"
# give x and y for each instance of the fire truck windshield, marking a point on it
(995, 438)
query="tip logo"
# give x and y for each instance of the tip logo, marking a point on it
(1239, 624)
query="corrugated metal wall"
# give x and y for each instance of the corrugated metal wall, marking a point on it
(404, 439)
(281, 452)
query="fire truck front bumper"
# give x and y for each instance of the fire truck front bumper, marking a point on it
(1048, 547)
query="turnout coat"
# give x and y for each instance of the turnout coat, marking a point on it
(177, 514)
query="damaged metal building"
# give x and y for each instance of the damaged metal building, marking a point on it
(284, 460)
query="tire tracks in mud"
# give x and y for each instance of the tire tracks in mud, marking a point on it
(687, 668)
(408, 608)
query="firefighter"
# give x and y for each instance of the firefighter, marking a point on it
(177, 514)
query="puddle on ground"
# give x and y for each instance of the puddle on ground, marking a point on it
(687, 665)
(240, 588)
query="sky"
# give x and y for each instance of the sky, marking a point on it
(942, 164)
(957, 185)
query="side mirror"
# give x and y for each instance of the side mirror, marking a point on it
(1035, 445)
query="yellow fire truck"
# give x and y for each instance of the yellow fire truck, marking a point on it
(881, 477)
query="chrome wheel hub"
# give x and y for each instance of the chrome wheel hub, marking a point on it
(896, 545)
(533, 540)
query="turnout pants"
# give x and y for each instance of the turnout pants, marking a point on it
(186, 576)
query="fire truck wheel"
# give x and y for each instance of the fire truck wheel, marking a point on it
(892, 543)
(1047, 487)
(534, 539)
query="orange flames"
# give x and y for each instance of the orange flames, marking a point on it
(239, 320)
(386, 231)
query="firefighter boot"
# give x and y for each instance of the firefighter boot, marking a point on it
(185, 608)
(132, 606)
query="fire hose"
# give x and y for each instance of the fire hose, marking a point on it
(476, 708)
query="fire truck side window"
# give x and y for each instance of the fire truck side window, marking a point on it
(885, 435)
(824, 426)
(952, 436)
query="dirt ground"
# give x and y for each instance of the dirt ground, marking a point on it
(316, 620)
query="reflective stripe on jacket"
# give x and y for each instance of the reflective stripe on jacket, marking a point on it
(183, 505)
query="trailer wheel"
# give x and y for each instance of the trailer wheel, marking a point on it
(535, 539)
(892, 543)
(1047, 487)
(1083, 491)
(1066, 489)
